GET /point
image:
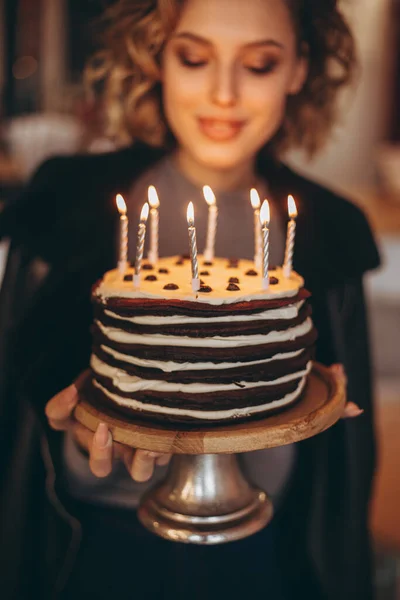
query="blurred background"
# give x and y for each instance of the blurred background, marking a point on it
(43, 111)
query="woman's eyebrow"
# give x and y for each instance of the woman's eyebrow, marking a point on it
(265, 43)
(192, 36)
(201, 40)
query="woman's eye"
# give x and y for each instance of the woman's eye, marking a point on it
(187, 61)
(263, 69)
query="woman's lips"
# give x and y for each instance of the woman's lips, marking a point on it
(220, 130)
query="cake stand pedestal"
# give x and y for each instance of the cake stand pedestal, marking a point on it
(205, 498)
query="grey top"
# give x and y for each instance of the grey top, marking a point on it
(269, 469)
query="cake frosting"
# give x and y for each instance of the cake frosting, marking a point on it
(231, 350)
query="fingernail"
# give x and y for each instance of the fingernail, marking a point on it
(102, 436)
(356, 412)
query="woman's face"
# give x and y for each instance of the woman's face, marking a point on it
(227, 71)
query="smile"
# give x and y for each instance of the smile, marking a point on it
(220, 130)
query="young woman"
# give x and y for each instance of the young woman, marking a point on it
(204, 92)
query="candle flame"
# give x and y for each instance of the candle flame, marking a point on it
(292, 207)
(121, 204)
(255, 199)
(209, 195)
(265, 213)
(145, 212)
(153, 197)
(190, 214)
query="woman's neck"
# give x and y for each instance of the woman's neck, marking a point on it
(241, 177)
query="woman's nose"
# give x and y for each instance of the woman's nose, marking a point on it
(224, 91)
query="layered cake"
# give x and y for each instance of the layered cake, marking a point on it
(230, 351)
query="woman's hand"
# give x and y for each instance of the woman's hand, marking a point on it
(351, 409)
(100, 446)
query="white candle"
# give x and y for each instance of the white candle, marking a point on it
(154, 220)
(193, 248)
(255, 202)
(140, 244)
(291, 232)
(123, 235)
(264, 219)
(209, 196)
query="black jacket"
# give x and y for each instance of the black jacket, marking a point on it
(63, 237)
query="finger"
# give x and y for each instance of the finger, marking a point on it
(126, 454)
(351, 409)
(163, 460)
(142, 467)
(59, 409)
(100, 461)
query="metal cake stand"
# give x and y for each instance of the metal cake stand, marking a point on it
(205, 498)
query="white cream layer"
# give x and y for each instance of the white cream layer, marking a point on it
(203, 414)
(251, 288)
(123, 337)
(170, 366)
(288, 312)
(131, 384)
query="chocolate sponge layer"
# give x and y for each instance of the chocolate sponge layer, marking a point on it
(223, 400)
(99, 399)
(201, 330)
(205, 354)
(131, 307)
(261, 372)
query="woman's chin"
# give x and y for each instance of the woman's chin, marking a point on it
(219, 159)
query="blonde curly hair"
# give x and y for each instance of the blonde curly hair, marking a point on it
(126, 71)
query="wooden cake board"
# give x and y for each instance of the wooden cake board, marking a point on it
(205, 498)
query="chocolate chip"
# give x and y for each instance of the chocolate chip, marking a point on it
(128, 277)
(232, 287)
(180, 262)
(208, 263)
(233, 280)
(150, 278)
(273, 280)
(147, 267)
(202, 282)
(185, 256)
(204, 273)
(163, 271)
(251, 272)
(171, 286)
(205, 289)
